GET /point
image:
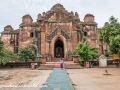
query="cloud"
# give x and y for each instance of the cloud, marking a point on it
(13, 10)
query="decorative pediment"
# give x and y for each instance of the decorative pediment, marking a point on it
(58, 30)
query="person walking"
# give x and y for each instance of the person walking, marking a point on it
(61, 63)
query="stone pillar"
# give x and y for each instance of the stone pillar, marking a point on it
(74, 39)
(39, 42)
(43, 46)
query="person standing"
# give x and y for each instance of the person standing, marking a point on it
(61, 63)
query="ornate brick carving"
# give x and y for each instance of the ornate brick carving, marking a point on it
(58, 31)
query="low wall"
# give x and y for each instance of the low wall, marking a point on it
(18, 64)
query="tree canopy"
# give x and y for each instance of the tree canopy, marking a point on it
(115, 45)
(109, 34)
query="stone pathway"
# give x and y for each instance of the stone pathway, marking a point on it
(58, 80)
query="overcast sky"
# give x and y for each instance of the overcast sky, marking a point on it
(11, 11)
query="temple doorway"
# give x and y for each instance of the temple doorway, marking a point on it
(59, 49)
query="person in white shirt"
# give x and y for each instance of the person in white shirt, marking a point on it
(61, 63)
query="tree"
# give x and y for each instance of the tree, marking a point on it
(110, 31)
(26, 54)
(115, 45)
(85, 51)
(1, 48)
(111, 34)
(6, 55)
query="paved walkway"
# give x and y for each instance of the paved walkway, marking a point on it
(58, 80)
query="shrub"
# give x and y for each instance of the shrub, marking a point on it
(26, 54)
(85, 51)
(6, 55)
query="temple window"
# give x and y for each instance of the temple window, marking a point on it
(31, 34)
(85, 33)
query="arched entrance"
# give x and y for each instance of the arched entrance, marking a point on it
(59, 49)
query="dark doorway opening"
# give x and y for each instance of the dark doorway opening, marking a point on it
(59, 49)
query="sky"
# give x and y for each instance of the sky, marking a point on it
(11, 11)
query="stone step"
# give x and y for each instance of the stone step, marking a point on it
(58, 59)
(47, 66)
(73, 66)
(67, 65)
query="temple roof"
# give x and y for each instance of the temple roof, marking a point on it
(89, 15)
(59, 13)
(28, 16)
(57, 6)
(8, 28)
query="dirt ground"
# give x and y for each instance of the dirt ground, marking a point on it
(82, 79)
(23, 79)
(95, 78)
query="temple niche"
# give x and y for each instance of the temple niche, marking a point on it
(55, 33)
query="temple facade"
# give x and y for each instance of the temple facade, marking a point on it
(55, 33)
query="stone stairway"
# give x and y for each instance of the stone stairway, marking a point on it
(47, 66)
(72, 65)
(58, 59)
(67, 65)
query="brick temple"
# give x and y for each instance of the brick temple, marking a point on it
(55, 33)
